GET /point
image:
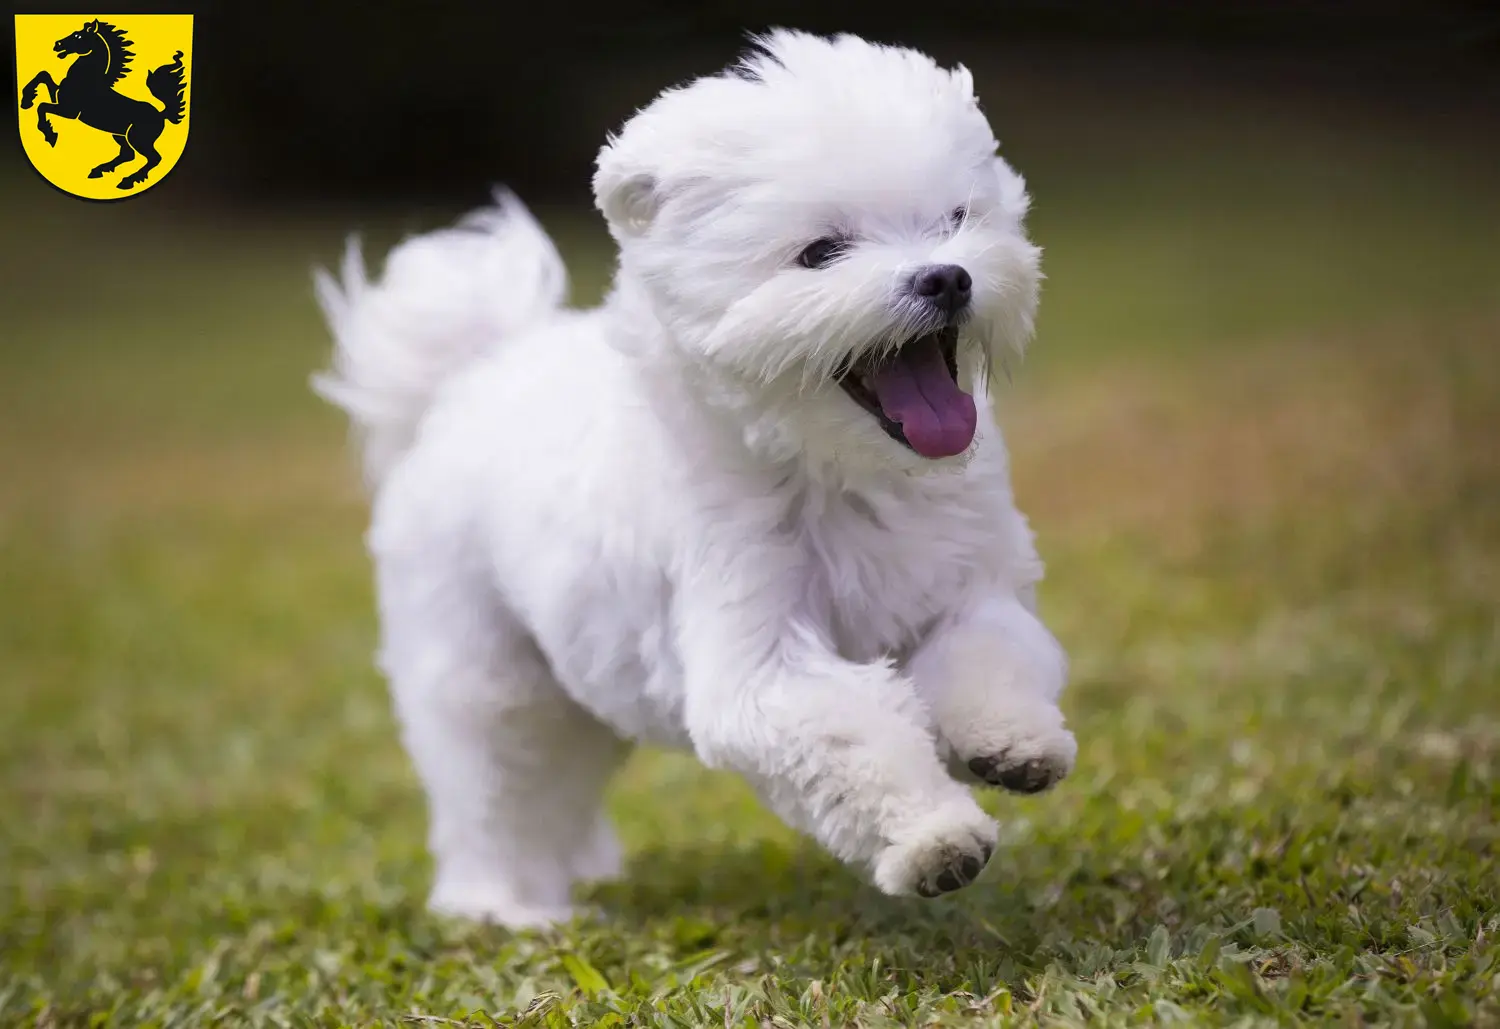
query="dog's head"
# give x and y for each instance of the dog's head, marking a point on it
(827, 232)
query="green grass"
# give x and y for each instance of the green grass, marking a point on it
(1257, 442)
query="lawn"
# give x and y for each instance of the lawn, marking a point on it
(1258, 439)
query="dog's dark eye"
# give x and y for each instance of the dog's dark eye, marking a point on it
(822, 252)
(958, 214)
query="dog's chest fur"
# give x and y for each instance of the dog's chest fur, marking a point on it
(875, 572)
(882, 568)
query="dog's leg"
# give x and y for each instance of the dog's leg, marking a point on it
(513, 769)
(991, 678)
(837, 749)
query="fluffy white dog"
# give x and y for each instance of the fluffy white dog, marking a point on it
(755, 505)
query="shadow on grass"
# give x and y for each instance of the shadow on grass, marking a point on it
(1028, 911)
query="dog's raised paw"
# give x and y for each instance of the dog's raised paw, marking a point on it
(943, 852)
(1028, 751)
(1030, 775)
(962, 869)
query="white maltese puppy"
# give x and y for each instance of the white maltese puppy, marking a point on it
(755, 505)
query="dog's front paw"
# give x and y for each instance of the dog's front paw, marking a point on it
(939, 853)
(1028, 751)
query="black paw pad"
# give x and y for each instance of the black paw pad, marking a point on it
(1027, 777)
(1032, 776)
(987, 768)
(956, 876)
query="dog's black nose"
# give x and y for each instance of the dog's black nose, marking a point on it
(945, 286)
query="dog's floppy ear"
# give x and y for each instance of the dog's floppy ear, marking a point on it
(625, 193)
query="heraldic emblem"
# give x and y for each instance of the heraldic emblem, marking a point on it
(103, 101)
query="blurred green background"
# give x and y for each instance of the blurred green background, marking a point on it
(1257, 435)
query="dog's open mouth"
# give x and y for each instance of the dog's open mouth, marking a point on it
(914, 395)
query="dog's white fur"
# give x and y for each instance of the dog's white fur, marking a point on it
(660, 521)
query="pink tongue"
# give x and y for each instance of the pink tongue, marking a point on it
(937, 418)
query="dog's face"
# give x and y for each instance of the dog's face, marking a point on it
(827, 231)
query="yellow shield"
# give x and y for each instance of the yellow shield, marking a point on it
(103, 99)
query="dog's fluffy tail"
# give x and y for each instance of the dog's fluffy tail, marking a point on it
(445, 298)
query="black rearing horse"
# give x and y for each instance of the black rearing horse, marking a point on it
(87, 93)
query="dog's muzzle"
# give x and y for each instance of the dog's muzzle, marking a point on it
(914, 395)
